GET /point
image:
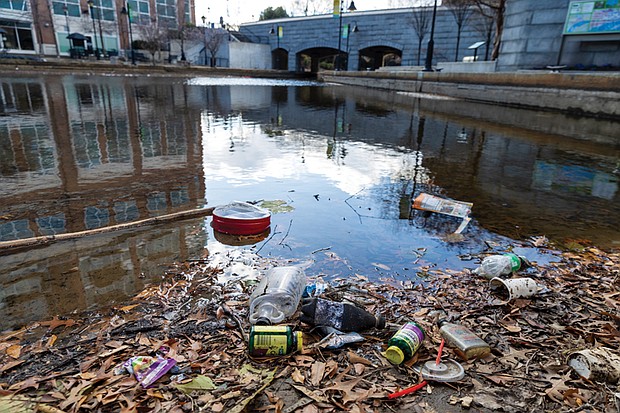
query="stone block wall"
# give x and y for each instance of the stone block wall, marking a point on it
(532, 39)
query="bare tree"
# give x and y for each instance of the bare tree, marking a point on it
(493, 10)
(153, 39)
(462, 11)
(311, 7)
(484, 26)
(421, 20)
(213, 41)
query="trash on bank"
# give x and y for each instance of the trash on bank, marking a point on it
(458, 209)
(146, 369)
(597, 364)
(334, 339)
(445, 371)
(315, 289)
(498, 265)
(241, 218)
(277, 295)
(266, 341)
(344, 317)
(513, 288)
(404, 343)
(465, 343)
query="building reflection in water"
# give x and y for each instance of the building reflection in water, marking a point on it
(77, 154)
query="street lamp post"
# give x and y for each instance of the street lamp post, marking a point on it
(350, 30)
(204, 35)
(100, 31)
(90, 6)
(127, 11)
(278, 33)
(182, 33)
(339, 57)
(428, 66)
(65, 9)
(2, 39)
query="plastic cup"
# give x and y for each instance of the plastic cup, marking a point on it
(598, 364)
(513, 288)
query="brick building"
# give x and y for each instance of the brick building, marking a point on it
(59, 27)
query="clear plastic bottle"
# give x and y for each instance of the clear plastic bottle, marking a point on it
(465, 343)
(277, 295)
(497, 265)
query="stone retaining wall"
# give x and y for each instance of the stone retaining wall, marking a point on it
(580, 94)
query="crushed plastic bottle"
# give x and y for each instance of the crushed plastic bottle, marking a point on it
(498, 265)
(277, 295)
(342, 316)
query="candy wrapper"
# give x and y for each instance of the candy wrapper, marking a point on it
(147, 370)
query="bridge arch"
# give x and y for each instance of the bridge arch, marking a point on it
(279, 59)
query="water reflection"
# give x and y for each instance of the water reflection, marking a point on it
(81, 153)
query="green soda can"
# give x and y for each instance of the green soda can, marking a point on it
(266, 341)
(404, 343)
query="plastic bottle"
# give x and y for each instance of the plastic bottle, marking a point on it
(465, 343)
(344, 317)
(268, 341)
(277, 295)
(404, 343)
(497, 265)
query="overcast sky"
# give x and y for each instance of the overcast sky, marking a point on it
(243, 11)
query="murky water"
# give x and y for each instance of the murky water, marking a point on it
(81, 153)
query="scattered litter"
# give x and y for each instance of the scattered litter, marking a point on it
(277, 295)
(458, 209)
(597, 364)
(147, 370)
(404, 343)
(498, 265)
(513, 288)
(335, 339)
(342, 316)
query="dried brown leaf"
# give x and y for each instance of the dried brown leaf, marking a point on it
(316, 373)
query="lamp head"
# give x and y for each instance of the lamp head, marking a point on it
(204, 19)
(352, 6)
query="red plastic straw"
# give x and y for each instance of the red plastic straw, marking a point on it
(421, 384)
(407, 390)
(438, 360)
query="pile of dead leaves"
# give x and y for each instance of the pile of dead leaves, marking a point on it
(200, 320)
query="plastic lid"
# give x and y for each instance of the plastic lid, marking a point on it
(394, 354)
(300, 340)
(445, 371)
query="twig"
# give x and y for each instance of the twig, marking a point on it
(275, 231)
(288, 230)
(236, 319)
(527, 364)
(48, 239)
(321, 249)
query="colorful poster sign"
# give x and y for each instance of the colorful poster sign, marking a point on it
(593, 17)
(336, 8)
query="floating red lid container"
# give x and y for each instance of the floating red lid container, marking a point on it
(241, 218)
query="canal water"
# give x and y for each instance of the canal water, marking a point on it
(342, 163)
